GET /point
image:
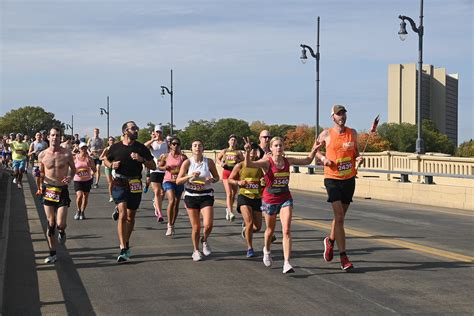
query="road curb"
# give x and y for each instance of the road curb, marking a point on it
(4, 239)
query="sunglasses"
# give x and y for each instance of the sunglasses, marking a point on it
(266, 137)
(175, 144)
(134, 128)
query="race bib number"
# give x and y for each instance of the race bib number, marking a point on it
(252, 186)
(135, 185)
(344, 166)
(281, 179)
(174, 173)
(52, 194)
(230, 160)
(197, 185)
(83, 173)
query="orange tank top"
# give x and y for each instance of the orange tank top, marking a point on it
(342, 152)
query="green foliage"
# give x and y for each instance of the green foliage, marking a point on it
(466, 149)
(402, 137)
(28, 120)
(144, 134)
(197, 130)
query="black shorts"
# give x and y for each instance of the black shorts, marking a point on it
(64, 199)
(340, 190)
(148, 173)
(198, 202)
(97, 161)
(255, 204)
(157, 177)
(121, 193)
(84, 186)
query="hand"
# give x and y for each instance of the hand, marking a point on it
(242, 183)
(115, 165)
(359, 160)
(317, 145)
(196, 174)
(136, 157)
(326, 162)
(210, 180)
(66, 179)
(247, 146)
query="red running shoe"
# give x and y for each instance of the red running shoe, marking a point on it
(328, 250)
(346, 265)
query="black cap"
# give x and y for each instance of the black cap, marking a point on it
(232, 136)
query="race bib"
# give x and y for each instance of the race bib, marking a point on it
(174, 173)
(135, 185)
(252, 186)
(344, 166)
(230, 160)
(83, 173)
(281, 179)
(52, 194)
(197, 185)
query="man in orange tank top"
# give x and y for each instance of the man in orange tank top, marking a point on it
(342, 156)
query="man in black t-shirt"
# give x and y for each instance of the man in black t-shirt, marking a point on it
(126, 159)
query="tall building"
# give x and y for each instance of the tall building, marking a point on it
(439, 97)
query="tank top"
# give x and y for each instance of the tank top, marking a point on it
(199, 187)
(276, 183)
(157, 150)
(252, 189)
(83, 171)
(20, 150)
(174, 163)
(230, 158)
(342, 151)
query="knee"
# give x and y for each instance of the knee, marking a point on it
(257, 227)
(339, 219)
(207, 227)
(286, 233)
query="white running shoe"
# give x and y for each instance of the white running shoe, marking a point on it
(227, 214)
(170, 231)
(231, 217)
(206, 249)
(287, 268)
(197, 255)
(267, 257)
(19, 186)
(76, 216)
(14, 180)
(111, 199)
(50, 259)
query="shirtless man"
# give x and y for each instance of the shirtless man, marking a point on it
(55, 162)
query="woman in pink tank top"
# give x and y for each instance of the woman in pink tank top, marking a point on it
(276, 196)
(85, 167)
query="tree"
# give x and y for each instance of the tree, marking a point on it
(223, 128)
(466, 149)
(201, 129)
(300, 139)
(28, 120)
(376, 142)
(144, 134)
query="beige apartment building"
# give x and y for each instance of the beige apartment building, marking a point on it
(439, 101)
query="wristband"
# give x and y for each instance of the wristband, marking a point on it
(323, 158)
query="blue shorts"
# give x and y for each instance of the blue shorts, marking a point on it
(19, 164)
(273, 209)
(178, 189)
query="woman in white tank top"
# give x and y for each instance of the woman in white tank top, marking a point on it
(198, 174)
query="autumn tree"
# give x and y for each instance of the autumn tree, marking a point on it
(300, 139)
(375, 143)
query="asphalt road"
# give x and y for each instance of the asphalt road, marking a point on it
(409, 259)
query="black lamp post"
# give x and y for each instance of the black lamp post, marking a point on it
(170, 92)
(107, 112)
(403, 34)
(71, 126)
(317, 57)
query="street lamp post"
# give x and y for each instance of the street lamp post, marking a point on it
(107, 112)
(403, 34)
(170, 92)
(317, 57)
(71, 126)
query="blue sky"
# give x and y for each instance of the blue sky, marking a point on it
(229, 58)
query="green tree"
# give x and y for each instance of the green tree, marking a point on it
(223, 128)
(144, 132)
(201, 129)
(466, 149)
(28, 120)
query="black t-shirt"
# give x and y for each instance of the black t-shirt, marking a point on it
(128, 166)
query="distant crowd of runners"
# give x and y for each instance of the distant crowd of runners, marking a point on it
(256, 181)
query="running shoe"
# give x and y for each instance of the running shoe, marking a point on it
(287, 268)
(231, 217)
(145, 190)
(170, 230)
(129, 252)
(14, 180)
(82, 216)
(115, 214)
(96, 186)
(267, 257)
(206, 249)
(250, 253)
(346, 265)
(243, 230)
(273, 238)
(61, 237)
(328, 250)
(111, 199)
(19, 186)
(50, 259)
(123, 256)
(197, 255)
(76, 216)
(227, 214)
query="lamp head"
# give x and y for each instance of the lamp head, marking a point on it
(303, 57)
(403, 30)
(101, 111)
(162, 91)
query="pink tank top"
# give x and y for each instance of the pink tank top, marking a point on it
(276, 183)
(174, 163)
(83, 171)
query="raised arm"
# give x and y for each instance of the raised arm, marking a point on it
(309, 158)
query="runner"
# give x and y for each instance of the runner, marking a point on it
(276, 196)
(249, 200)
(107, 170)
(264, 144)
(36, 148)
(127, 158)
(66, 143)
(228, 158)
(172, 162)
(158, 147)
(85, 167)
(55, 162)
(197, 174)
(96, 146)
(19, 153)
(342, 156)
(26, 140)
